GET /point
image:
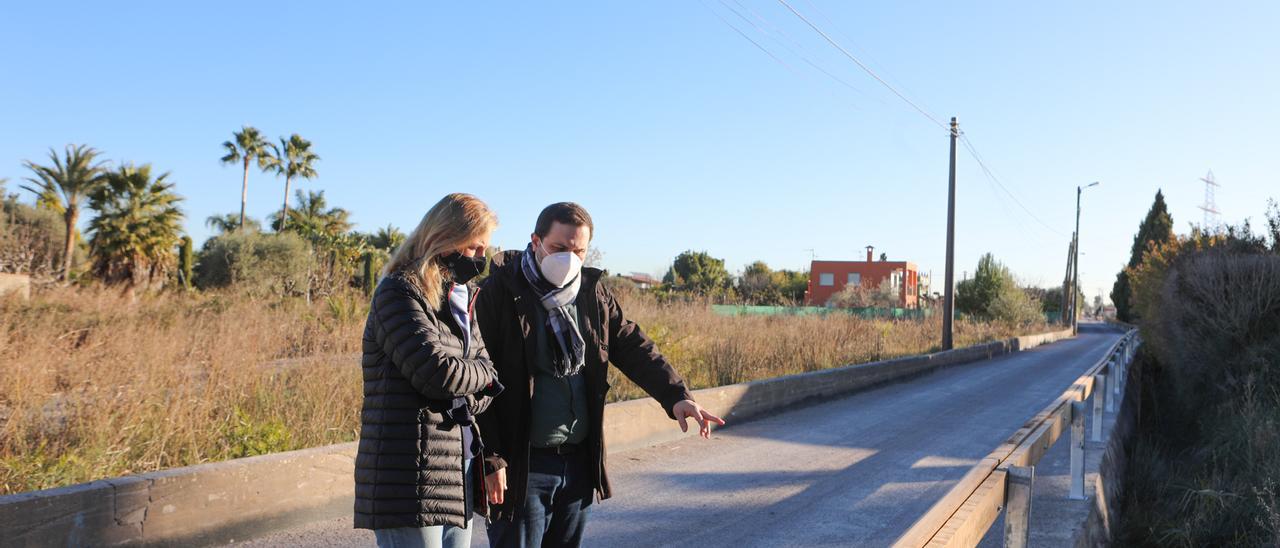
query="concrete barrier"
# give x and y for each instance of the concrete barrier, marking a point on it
(1100, 527)
(17, 284)
(194, 505)
(233, 500)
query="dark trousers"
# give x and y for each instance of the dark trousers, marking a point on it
(555, 508)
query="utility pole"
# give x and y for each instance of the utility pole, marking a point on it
(949, 298)
(1075, 286)
(1075, 264)
(1066, 280)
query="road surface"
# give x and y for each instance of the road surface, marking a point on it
(854, 471)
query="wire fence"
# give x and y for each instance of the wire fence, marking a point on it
(865, 313)
(868, 313)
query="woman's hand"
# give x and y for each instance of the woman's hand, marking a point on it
(495, 485)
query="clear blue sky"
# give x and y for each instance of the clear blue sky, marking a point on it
(674, 130)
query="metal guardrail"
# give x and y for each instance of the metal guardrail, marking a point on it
(1002, 481)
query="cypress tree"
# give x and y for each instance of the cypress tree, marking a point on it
(185, 262)
(368, 274)
(1156, 227)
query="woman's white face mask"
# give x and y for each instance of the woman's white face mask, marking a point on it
(560, 268)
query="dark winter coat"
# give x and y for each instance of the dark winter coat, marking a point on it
(409, 465)
(506, 314)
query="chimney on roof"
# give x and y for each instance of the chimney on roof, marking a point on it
(870, 250)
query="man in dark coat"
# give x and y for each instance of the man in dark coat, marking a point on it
(551, 328)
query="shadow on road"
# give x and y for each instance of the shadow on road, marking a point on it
(856, 470)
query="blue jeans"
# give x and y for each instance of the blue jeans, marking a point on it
(435, 536)
(555, 506)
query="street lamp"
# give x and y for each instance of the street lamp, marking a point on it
(1075, 276)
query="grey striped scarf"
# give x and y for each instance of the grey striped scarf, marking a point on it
(568, 355)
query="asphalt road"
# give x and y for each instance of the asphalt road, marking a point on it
(853, 471)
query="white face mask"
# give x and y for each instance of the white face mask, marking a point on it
(560, 268)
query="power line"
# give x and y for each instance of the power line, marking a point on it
(1004, 206)
(969, 146)
(853, 45)
(749, 39)
(865, 68)
(973, 151)
(784, 34)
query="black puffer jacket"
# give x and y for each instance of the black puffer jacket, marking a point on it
(409, 465)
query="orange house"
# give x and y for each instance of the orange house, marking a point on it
(826, 278)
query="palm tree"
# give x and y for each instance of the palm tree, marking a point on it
(293, 158)
(137, 227)
(248, 145)
(387, 239)
(63, 185)
(312, 218)
(228, 222)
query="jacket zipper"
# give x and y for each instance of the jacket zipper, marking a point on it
(466, 514)
(526, 449)
(599, 450)
(475, 429)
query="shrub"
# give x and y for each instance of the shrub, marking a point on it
(698, 272)
(245, 436)
(620, 286)
(993, 294)
(258, 263)
(1014, 306)
(1208, 450)
(975, 295)
(1221, 321)
(860, 296)
(762, 285)
(30, 239)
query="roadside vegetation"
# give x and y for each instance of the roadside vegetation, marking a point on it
(93, 386)
(1205, 465)
(992, 294)
(140, 350)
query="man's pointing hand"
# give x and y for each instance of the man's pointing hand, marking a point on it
(687, 409)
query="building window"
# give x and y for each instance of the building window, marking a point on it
(855, 278)
(826, 279)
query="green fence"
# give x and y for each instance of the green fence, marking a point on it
(866, 313)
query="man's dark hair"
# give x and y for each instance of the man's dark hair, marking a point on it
(563, 212)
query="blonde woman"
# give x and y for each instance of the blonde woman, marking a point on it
(426, 375)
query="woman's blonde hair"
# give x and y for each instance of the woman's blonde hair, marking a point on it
(453, 222)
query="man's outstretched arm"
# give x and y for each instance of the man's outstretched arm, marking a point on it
(636, 355)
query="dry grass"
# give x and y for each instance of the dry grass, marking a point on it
(711, 350)
(92, 386)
